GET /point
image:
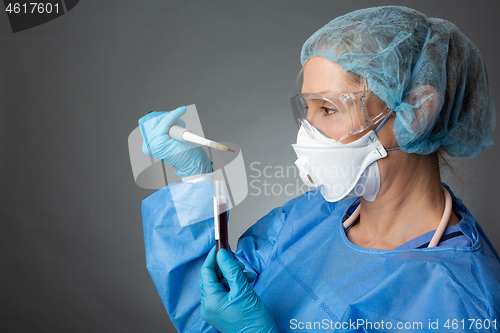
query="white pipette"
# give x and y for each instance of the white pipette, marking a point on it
(182, 134)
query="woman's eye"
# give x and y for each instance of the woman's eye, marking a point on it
(328, 110)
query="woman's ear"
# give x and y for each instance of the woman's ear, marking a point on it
(426, 104)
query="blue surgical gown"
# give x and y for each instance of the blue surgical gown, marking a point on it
(312, 278)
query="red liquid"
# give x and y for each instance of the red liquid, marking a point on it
(223, 242)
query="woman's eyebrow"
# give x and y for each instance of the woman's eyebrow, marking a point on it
(332, 92)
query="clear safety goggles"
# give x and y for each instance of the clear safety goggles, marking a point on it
(338, 116)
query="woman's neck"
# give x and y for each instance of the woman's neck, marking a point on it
(410, 203)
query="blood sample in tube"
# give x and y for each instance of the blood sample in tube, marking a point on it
(222, 242)
(220, 216)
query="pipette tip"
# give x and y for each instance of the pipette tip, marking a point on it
(220, 146)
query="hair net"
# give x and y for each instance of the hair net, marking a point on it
(425, 69)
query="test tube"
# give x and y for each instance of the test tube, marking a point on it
(220, 215)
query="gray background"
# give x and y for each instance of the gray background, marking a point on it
(73, 89)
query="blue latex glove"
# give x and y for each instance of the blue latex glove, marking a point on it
(188, 158)
(248, 275)
(238, 310)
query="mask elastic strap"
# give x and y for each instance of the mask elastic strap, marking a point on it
(380, 126)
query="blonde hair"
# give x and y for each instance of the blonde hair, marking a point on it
(353, 77)
(359, 80)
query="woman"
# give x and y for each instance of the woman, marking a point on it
(385, 246)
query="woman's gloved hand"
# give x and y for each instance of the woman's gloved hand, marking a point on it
(238, 310)
(188, 158)
(248, 275)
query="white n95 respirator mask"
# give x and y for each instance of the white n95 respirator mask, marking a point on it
(340, 171)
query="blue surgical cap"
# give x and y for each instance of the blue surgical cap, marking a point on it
(425, 69)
